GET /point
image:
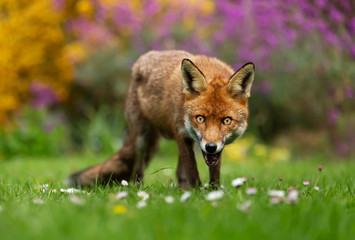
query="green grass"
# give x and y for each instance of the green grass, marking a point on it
(325, 214)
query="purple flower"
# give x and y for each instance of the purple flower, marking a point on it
(336, 15)
(349, 91)
(333, 116)
(43, 95)
(351, 26)
(352, 51)
(58, 4)
(342, 147)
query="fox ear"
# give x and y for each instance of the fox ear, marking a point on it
(241, 81)
(193, 80)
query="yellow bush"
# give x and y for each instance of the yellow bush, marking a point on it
(31, 49)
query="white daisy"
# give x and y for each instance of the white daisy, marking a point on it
(143, 195)
(44, 187)
(124, 183)
(141, 204)
(277, 193)
(76, 200)
(169, 199)
(37, 201)
(72, 190)
(244, 207)
(251, 191)
(214, 195)
(185, 196)
(121, 195)
(237, 182)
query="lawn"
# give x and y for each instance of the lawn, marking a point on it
(28, 212)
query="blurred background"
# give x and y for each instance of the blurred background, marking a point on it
(65, 67)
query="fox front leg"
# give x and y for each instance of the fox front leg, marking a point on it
(188, 161)
(215, 175)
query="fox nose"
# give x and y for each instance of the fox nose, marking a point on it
(211, 147)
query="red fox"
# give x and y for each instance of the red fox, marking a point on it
(177, 95)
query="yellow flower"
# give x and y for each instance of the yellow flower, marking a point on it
(189, 23)
(85, 7)
(280, 154)
(238, 151)
(207, 7)
(119, 209)
(260, 150)
(75, 53)
(34, 54)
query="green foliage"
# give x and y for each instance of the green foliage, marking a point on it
(102, 133)
(36, 133)
(102, 79)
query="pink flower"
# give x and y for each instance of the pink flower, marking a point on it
(291, 188)
(124, 183)
(292, 197)
(320, 167)
(306, 183)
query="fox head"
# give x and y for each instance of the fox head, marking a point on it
(216, 107)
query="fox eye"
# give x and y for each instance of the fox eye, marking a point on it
(200, 119)
(227, 121)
